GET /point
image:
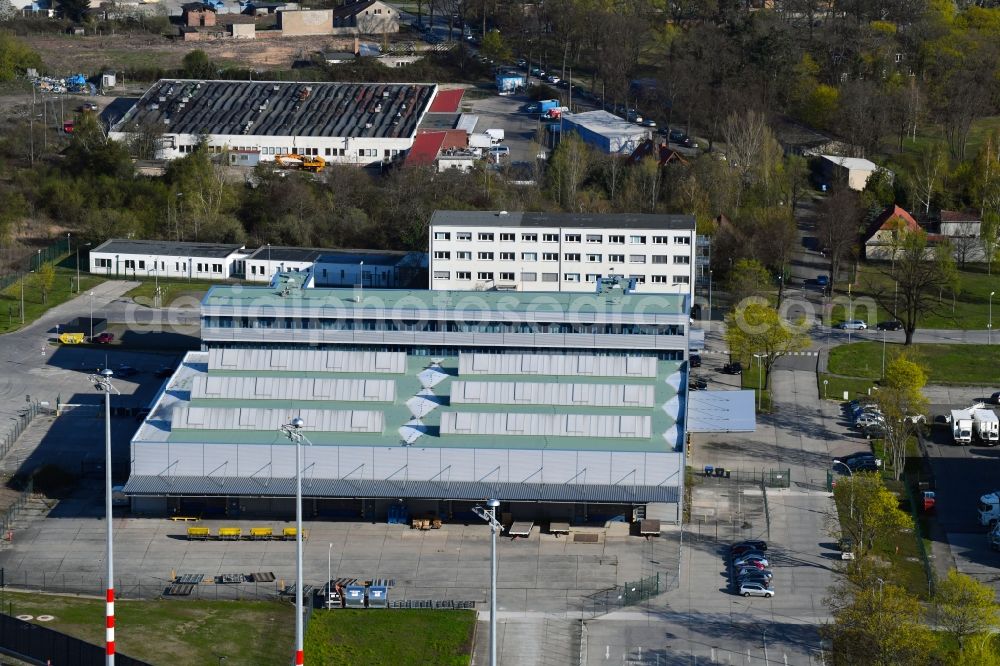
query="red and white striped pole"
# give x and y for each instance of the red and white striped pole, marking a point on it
(110, 631)
(105, 385)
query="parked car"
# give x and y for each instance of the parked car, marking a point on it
(734, 368)
(633, 116)
(648, 122)
(756, 590)
(695, 360)
(765, 575)
(866, 420)
(874, 431)
(521, 62)
(892, 325)
(552, 78)
(759, 560)
(995, 398)
(499, 152)
(846, 546)
(744, 549)
(823, 280)
(697, 384)
(125, 371)
(852, 325)
(851, 457)
(103, 338)
(754, 543)
(679, 136)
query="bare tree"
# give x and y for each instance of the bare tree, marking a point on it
(838, 227)
(966, 245)
(928, 175)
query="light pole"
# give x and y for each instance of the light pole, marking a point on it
(361, 281)
(989, 326)
(764, 630)
(78, 266)
(760, 375)
(293, 430)
(91, 315)
(268, 262)
(103, 383)
(710, 297)
(883, 353)
(329, 575)
(825, 382)
(490, 516)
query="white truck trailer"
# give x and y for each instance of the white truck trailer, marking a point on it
(961, 426)
(986, 426)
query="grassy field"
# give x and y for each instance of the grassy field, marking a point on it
(750, 380)
(390, 638)
(968, 309)
(63, 289)
(174, 632)
(945, 364)
(835, 387)
(172, 292)
(914, 148)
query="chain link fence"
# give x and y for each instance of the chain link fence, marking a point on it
(134, 587)
(21, 423)
(31, 262)
(43, 645)
(628, 594)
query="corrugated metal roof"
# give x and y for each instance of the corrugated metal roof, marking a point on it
(382, 488)
(721, 411)
(306, 360)
(216, 387)
(556, 364)
(552, 393)
(544, 425)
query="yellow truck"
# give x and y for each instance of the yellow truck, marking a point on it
(71, 338)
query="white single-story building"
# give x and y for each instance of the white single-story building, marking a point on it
(852, 171)
(267, 260)
(167, 259)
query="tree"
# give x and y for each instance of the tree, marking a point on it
(757, 328)
(874, 510)
(916, 277)
(74, 10)
(15, 57)
(43, 279)
(567, 170)
(197, 65)
(901, 400)
(751, 148)
(838, 227)
(880, 626)
(989, 237)
(929, 174)
(494, 47)
(964, 607)
(966, 244)
(749, 278)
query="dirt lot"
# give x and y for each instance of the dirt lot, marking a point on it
(65, 54)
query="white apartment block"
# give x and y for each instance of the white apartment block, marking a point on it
(517, 251)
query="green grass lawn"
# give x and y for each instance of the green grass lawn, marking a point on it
(750, 380)
(63, 289)
(181, 293)
(174, 632)
(390, 637)
(967, 309)
(945, 364)
(835, 387)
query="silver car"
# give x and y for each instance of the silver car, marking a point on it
(756, 590)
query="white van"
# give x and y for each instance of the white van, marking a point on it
(499, 151)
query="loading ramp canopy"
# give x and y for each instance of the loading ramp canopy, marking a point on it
(721, 411)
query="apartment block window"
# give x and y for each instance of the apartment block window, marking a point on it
(571, 277)
(682, 240)
(637, 240)
(216, 268)
(550, 256)
(529, 238)
(637, 258)
(550, 238)
(483, 236)
(659, 279)
(442, 255)
(595, 238)
(550, 277)
(486, 256)
(571, 256)
(463, 255)
(682, 259)
(572, 238)
(616, 239)
(639, 279)
(464, 275)
(593, 277)
(661, 259)
(682, 279)
(442, 275)
(660, 240)
(507, 277)
(594, 258)
(507, 238)
(442, 235)
(529, 277)
(484, 276)
(464, 235)
(616, 258)
(529, 256)
(507, 256)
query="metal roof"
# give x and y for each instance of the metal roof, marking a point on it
(468, 306)
(556, 364)
(852, 163)
(721, 411)
(496, 218)
(282, 253)
(157, 485)
(605, 124)
(167, 248)
(281, 108)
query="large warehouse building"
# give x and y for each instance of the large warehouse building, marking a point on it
(568, 406)
(344, 123)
